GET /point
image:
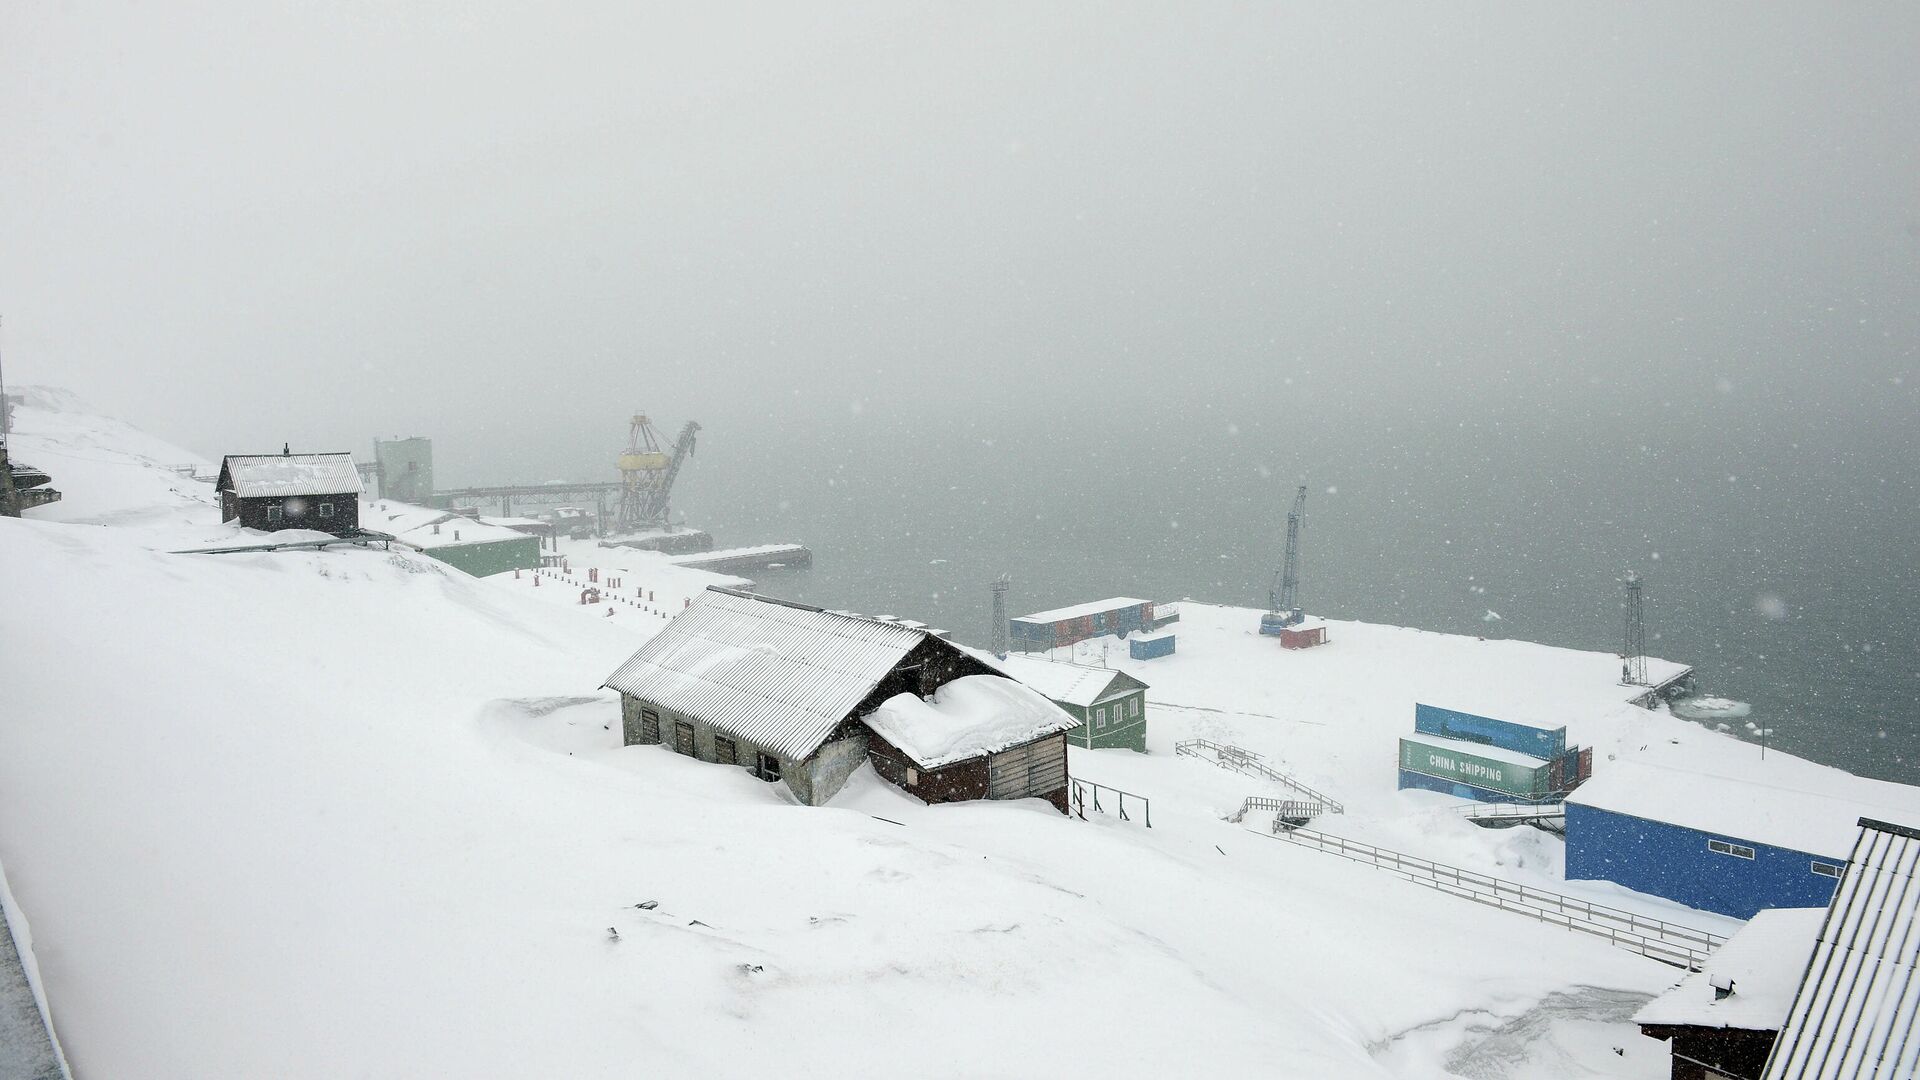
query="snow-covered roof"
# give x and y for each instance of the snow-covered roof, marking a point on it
(255, 476)
(969, 717)
(1856, 1009)
(1076, 611)
(1308, 624)
(1762, 962)
(1817, 814)
(780, 676)
(1074, 684)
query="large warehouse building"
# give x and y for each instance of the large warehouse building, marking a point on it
(1733, 845)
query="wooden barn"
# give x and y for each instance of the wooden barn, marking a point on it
(1723, 1019)
(788, 692)
(291, 491)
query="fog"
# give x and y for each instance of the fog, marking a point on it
(1528, 293)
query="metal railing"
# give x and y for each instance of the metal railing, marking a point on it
(1670, 943)
(1086, 795)
(1242, 760)
(1514, 812)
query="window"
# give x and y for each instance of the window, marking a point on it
(913, 776)
(326, 509)
(1828, 869)
(1738, 851)
(649, 726)
(1100, 717)
(1133, 705)
(724, 751)
(766, 767)
(273, 513)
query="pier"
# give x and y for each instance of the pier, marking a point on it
(758, 557)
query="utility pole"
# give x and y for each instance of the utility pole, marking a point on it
(998, 634)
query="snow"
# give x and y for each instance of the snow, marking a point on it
(390, 836)
(1763, 963)
(1071, 683)
(1078, 610)
(1816, 812)
(969, 717)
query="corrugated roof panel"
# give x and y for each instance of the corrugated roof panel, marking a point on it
(1855, 1015)
(776, 675)
(1071, 683)
(256, 476)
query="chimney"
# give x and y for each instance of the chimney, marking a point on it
(286, 449)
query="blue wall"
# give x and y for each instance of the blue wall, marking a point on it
(1411, 779)
(1671, 861)
(1545, 743)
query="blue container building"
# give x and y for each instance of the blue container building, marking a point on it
(1722, 844)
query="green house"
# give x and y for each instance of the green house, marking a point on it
(1110, 705)
(476, 547)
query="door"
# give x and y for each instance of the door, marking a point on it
(1038, 768)
(649, 726)
(724, 751)
(682, 738)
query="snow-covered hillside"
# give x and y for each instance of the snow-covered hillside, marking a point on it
(352, 813)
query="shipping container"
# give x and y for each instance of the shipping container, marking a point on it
(1543, 743)
(1484, 768)
(1150, 646)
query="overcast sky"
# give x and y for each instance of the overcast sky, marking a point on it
(509, 226)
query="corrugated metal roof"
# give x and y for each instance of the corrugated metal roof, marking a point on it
(777, 675)
(1859, 1004)
(1071, 683)
(255, 476)
(1094, 607)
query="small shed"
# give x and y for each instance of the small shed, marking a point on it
(1151, 646)
(290, 491)
(785, 691)
(1736, 845)
(977, 737)
(1110, 706)
(1043, 630)
(1304, 634)
(1722, 1020)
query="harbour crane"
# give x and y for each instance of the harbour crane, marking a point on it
(1283, 602)
(647, 472)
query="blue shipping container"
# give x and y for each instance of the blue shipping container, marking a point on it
(1521, 739)
(1147, 648)
(1727, 874)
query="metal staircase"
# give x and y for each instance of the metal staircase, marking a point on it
(1551, 816)
(1288, 813)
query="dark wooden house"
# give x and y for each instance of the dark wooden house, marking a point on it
(1723, 1019)
(290, 491)
(787, 692)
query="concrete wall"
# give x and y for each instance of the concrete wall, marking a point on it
(814, 777)
(1674, 862)
(820, 777)
(27, 1050)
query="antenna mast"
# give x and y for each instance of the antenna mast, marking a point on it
(1633, 651)
(999, 634)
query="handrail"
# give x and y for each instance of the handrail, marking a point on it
(1672, 943)
(1242, 760)
(1079, 800)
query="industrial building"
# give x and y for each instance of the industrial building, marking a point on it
(1488, 760)
(477, 547)
(290, 491)
(801, 695)
(1857, 1009)
(1111, 706)
(1735, 845)
(405, 469)
(1723, 1019)
(1045, 630)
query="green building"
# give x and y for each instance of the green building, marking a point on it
(476, 547)
(1110, 705)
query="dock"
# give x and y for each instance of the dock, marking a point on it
(758, 557)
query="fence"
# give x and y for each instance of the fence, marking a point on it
(1242, 760)
(1670, 943)
(1551, 816)
(1081, 802)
